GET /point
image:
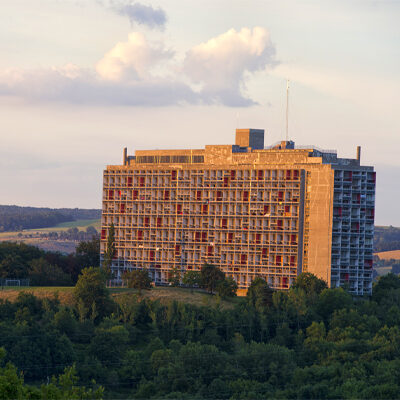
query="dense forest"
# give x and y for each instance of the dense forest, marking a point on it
(14, 218)
(308, 342)
(45, 268)
(386, 238)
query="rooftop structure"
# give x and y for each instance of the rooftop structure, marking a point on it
(253, 211)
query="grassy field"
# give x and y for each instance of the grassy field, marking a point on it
(163, 294)
(32, 236)
(81, 224)
(389, 255)
(64, 294)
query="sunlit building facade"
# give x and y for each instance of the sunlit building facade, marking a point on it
(253, 211)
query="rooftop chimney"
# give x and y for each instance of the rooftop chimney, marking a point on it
(253, 138)
(125, 155)
(359, 153)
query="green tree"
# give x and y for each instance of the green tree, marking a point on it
(192, 279)
(88, 252)
(211, 276)
(11, 383)
(259, 294)
(66, 387)
(91, 294)
(227, 288)
(331, 300)
(138, 279)
(386, 284)
(42, 273)
(109, 251)
(174, 276)
(311, 284)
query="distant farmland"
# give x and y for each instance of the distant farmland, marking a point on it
(389, 255)
(33, 236)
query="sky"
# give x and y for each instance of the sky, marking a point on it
(81, 79)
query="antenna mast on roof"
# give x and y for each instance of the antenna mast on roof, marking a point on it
(287, 110)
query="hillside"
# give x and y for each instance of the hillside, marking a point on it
(386, 238)
(15, 218)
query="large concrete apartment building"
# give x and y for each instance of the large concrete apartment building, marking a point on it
(253, 211)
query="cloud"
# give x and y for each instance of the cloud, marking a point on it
(220, 65)
(138, 72)
(138, 13)
(132, 60)
(55, 86)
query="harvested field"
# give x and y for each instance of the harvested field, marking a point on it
(64, 294)
(389, 255)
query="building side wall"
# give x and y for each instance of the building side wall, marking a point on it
(318, 214)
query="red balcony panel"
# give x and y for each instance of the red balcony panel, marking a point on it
(166, 194)
(288, 174)
(279, 224)
(292, 261)
(296, 174)
(204, 236)
(122, 208)
(177, 249)
(243, 258)
(204, 209)
(293, 239)
(287, 209)
(129, 181)
(224, 223)
(348, 176)
(159, 222)
(266, 209)
(280, 196)
(265, 252)
(179, 209)
(230, 237)
(245, 195)
(198, 195)
(260, 175)
(173, 175)
(141, 181)
(278, 260)
(258, 238)
(135, 195)
(226, 181)
(233, 174)
(103, 234)
(111, 195)
(210, 250)
(337, 211)
(284, 281)
(139, 235)
(151, 255)
(146, 221)
(197, 236)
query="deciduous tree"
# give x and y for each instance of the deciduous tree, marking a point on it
(138, 279)
(211, 276)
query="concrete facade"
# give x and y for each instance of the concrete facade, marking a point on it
(271, 212)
